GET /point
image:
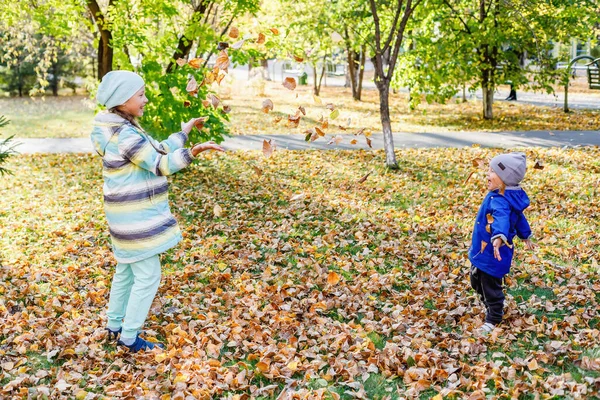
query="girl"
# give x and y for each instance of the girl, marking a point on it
(141, 225)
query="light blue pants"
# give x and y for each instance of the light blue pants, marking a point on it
(133, 289)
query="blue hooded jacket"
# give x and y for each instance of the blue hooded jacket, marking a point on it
(499, 216)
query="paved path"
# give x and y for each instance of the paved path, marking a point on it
(401, 140)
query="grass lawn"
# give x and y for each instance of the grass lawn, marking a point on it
(72, 116)
(309, 283)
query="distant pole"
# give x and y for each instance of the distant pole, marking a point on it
(568, 72)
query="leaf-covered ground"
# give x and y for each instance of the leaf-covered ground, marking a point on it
(309, 283)
(72, 116)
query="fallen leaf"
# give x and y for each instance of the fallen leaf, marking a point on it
(267, 105)
(538, 165)
(353, 141)
(333, 278)
(268, 148)
(298, 196)
(364, 178)
(289, 83)
(217, 211)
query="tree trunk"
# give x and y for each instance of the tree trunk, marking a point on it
(361, 72)
(265, 64)
(351, 70)
(105, 51)
(383, 86)
(317, 81)
(487, 88)
(185, 44)
(54, 83)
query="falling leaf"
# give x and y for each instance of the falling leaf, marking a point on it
(298, 196)
(222, 61)
(199, 124)
(222, 46)
(289, 83)
(478, 162)
(330, 106)
(538, 165)
(353, 141)
(277, 119)
(551, 133)
(226, 109)
(217, 211)
(267, 105)
(268, 148)
(214, 100)
(205, 103)
(234, 32)
(258, 171)
(275, 31)
(293, 120)
(319, 131)
(334, 114)
(192, 86)
(196, 62)
(181, 62)
(342, 127)
(369, 142)
(238, 45)
(298, 59)
(187, 103)
(336, 140)
(302, 110)
(317, 99)
(309, 134)
(209, 77)
(325, 124)
(364, 178)
(261, 38)
(333, 278)
(220, 78)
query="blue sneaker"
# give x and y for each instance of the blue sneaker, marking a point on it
(113, 335)
(141, 344)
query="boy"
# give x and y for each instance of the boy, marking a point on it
(499, 220)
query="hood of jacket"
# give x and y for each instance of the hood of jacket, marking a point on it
(105, 125)
(517, 198)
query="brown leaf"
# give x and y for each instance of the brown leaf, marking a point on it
(196, 62)
(293, 120)
(234, 32)
(336, 140)
(275, 31)
(302, 110)
(490, 218)
(364, 178)
(330, 106)
(199, 124)
(369, 142)
(217, 211)
(226, 109)
(205, 103)
(261, 38)
(333, 278)
(478, 162)
(181, 62)
(214, 100)
(277, 119)
(187, 103)
(298, 59)
(267, 105)
(258, 171)
(319, 131)
(289, 83)
(268, 148)
(353, 141)
(222, 61)
(222, 46)
(192, 86)
(538, 165)
(220, 78)
(325, 124)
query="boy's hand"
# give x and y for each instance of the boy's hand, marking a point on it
(497, 244)
(210, 145)
(529, 245)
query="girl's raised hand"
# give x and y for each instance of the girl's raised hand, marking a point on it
(188, 126)
(210, 145)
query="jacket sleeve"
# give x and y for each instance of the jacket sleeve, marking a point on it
(138, 149)
(522, 227)
(501, 213)
(175, 141)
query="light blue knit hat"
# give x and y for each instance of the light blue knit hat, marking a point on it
(117, 87)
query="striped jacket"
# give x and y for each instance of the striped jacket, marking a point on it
(135, 167)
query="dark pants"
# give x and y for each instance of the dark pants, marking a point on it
(490, 290)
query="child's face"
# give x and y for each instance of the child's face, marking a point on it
(494, 181)
(135, 105)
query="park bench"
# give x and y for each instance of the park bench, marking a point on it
(291, 69)
(335, 69)
(593, 71)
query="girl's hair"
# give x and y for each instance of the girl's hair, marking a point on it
(126, 116)
(502, 188)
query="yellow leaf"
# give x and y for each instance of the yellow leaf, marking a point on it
(317, 99)
(262, 367)
(483, 245)
(533, 365)
(490, 218)
(160, 357)
(333, 278)
(293, 365)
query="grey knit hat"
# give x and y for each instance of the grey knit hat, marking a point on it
(510, 167)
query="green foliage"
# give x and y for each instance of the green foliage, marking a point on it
(166, 107)
(6, 148)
